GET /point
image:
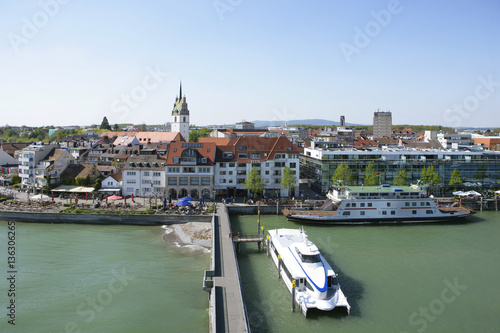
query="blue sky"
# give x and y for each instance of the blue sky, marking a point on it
(72, 62)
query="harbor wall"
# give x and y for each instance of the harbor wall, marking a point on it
(132, 219)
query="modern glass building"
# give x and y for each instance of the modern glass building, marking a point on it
(319, 165)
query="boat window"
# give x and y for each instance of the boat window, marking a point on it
(308, 286)
(354, 204)
(407, 204)
(384, 212)
(393, 212)
(362, 213)
(422, 203)
(414, 204)
(348, 205)
(332, 281)
(346, 213)
(414, 212)
(428, 211)
(428, 203)
(362, 204)
(310, 259)
(369, 204)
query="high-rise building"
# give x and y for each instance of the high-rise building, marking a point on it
(382, 124)
(180, 116)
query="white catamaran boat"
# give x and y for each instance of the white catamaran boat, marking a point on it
(378, 204)
(316, 285)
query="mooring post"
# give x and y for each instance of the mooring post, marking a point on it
(293, 295)
(481, 203)
(277, 207)
(267, 246)
(258, 217)
(279, 266)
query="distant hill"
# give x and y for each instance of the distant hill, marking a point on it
(320, 122)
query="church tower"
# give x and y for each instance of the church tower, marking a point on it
(180, 116)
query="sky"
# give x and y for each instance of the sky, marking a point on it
(72, 62)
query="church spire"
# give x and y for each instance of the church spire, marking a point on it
(180, 90)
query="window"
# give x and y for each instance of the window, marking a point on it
(176, 160)
(156, 174)
(384, 212)
(130, 181)
(346, 213)
(353, 204)
(172, 180)
(414, 212)
(362, 213)
(174, 169)
(393, 212)
(407, 204)
(428, 211)
(231, 165)
(240, 181)
(242, 155)
(414, 204)
(255, 155)
(146, 173)
(348, 204)
(194, 181)
(226, 155)
(242, 148)
(130, 173)
(146, 181)
(156, 182)
(222, 181)
(204, 170)
(223, 165)
(183, 180)
(422, 204)
(205, 180)
(370, 204)
(293, 165)
(189, 170)
(362, 204)
(230, 173)
(222, 173)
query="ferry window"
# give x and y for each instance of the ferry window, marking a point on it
(353, 204)
(332, 281)
(422, 204)
(369, 204)
(346, 213)
(384, 212)
(362, 204)
(310, 259)
(414, 204)
(393, 212)
(407, 204)
(414, 212)
(428, 211)
(348, 205)
(362, 213)
(428, 203)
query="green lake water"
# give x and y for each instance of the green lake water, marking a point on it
(411, 278)
(87, 278)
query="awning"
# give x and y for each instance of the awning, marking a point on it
(73, 189)
(110, 189)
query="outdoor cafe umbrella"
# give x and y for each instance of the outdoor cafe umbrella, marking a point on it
(114, 197)
(186, 199)
(182, 203)
(40, 197)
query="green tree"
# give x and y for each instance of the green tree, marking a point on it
(254, 182)
(430, 177)
(288, 179)
(194, 134)
(455, 179)
(143, 127)
(343, 174)
(98, 184)
(401, 178)
(116, 128)
(105, 124)
(370, 175)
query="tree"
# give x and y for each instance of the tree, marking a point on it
(401, 178)
(430, 176)
(343, 174)
(254, 182)
(288, 179)
(370, 175)
(98, 184)
(455, 179)
(105, 124)
(143, 127)
(194, 134)
(116, 128)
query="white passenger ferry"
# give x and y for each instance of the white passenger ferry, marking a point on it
(378, 204)
(316, 285)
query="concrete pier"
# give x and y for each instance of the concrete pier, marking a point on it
(227, 307)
